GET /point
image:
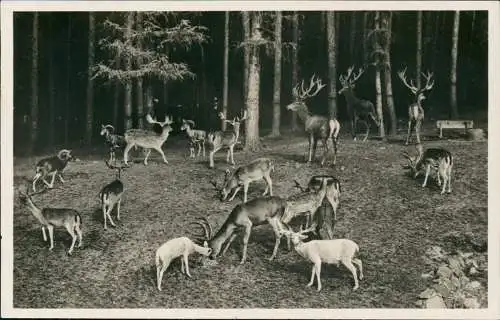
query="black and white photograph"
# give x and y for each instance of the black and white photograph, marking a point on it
(250, 159)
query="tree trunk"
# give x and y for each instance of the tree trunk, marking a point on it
(116, 96)
(378, 83)
(246, 54)
(365, 33)
(387, 25)
(52, 113)
(128, 82)
(252, 141)
(352, 42)
(295, 62)
(149, 97)
(277, 76)
(419, 48)
(332, 61)
(226, 69)
(90, 85)
(67, 109)
(139, 83)
(453, 73)
(34, 85)
(434, 50)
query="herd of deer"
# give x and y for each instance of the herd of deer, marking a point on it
(310, 204)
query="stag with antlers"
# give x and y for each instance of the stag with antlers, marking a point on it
(358, 109)
(415, 110)
(220, 139)
(196, 137)
(316, 126)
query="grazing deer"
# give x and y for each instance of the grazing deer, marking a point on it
(111, 195)
(196, 137)
(437, 159)
(332, 197)
(316, 126)
(243, 217)
(327, 251)
(415, 110)
(148, 139)
(242, 177)
(54, 217)
(113, 141)
(52, 165)
(358, 109)
(222, 139)
(174, 248)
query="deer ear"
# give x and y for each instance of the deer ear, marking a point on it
(205, 244)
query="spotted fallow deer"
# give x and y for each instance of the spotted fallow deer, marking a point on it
(358, 109)
(316, 126)
(415, 110)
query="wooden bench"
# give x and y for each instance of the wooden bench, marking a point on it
(453, 124)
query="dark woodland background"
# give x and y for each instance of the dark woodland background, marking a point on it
(62, 69)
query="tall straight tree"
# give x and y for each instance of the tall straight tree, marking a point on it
(90, 85)
(453, 71)
(419, 48)
(128, 81)
(295, 60)
(378, 64)
(139, 82)
(387, 27)
(252, 140)
(226, 69)
(34, 84)
(116, 94)
(277, 75)
(52, 113)
(332, 57)
(245, 18)
(67, 109)
(352, 42)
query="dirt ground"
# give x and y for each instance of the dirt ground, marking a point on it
(390, 216)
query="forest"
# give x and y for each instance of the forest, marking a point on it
(77, 70)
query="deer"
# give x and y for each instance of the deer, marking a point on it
(327, 251)
(317, 127)
(111, 195)
(358, 109)
(257, 169)
(415, 110)
(54, 165)
(258, 211)
(148, 139)
(113, 141)
(196, 137)
(437, 159)
(225, 139)
(51, 218)
(174, 248)
(332, 197)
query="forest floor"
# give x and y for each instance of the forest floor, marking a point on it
(392, 218)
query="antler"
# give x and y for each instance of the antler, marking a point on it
(428, 83)
(300, 93)
(349, 79)
(207, 228)
(238, 119)
(190, 122)
(411, 85)
(150, 119)
(109, 127)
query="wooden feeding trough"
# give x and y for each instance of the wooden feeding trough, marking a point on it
(454, 124)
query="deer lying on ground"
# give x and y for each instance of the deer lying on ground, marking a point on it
(111, 195)
(327, 251)
(415, 110)
(225, 139)
(113, 141)
(437, 159)
(54, 165)
(317, 127)
(358, 109)
(242, 177)
(243, 217)
(148, 139)
(332, 198)
(179, 247)
(196, 137)
(54, 217)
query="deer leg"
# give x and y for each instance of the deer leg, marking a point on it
(427, 172)
(409, 131)
(186, 264)
(78, 230)
(203, 146)
(51, 236)
(60, 177)
(313, 273)
(367, 131)
(182, 265)
(162, 269)
(315, 145)
(35, 180)
(360, 267)
(162, 154)
(234, 194)
(125, 153)
(418, 124)
(311, 142)
(246, 237)
(351, 268)
(231, 151)
(277, 233)
(449, 178)
(211, 158)
(51, 185)
(269, 185)
(199, 149)
(228, 243)
(104, 214)
(326, 151)
(245, 191)
(73, 236)
(43, 233)
(118, 203)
